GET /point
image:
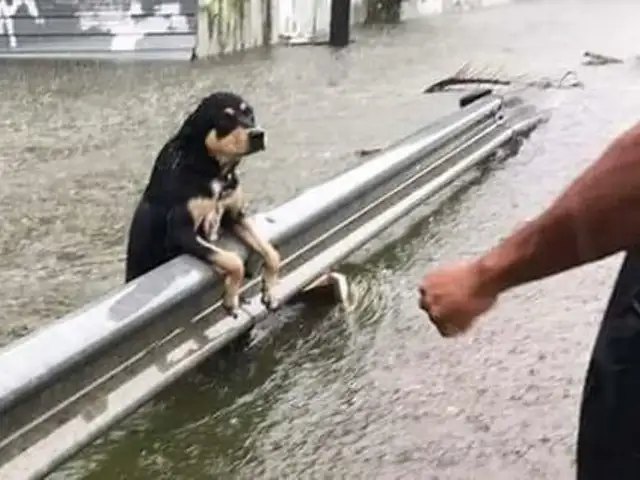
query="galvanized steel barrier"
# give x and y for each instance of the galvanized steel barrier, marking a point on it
(66, 384)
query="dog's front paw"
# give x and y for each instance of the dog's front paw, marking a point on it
(269, 302)
(268, 299)
(231, 305)
(232, 312)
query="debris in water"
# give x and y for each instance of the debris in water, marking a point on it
(597, 59)
(467, 76)
(366, 152)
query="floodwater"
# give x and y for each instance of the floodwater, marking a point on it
(374, 393)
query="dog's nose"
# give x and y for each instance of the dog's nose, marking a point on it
(257, 140)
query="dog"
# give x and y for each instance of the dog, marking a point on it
(194, 191)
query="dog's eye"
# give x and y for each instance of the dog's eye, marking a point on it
(230, 111)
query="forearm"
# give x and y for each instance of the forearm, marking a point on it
(598, 215)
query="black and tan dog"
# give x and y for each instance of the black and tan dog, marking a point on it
(194, 190)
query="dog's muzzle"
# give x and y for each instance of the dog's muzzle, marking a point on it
(257, 140)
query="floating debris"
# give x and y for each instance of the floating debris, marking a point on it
(466, 76)
(366, 152)
(597, 59)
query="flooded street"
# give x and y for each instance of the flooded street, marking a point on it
(374, 393)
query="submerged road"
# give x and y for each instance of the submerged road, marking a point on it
(370, 394)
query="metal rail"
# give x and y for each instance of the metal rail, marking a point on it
(63, 386)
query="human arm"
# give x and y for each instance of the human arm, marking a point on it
(596, 216)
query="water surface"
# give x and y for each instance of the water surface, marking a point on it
(374, 393)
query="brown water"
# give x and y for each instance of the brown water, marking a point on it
(370, 394)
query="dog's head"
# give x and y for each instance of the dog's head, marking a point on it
(225, 125)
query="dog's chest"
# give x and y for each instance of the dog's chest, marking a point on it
(223, 185)
(211, 224)
(220, 193)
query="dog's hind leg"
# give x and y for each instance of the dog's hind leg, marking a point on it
(235, 218)
(231, 266)
(248, 234)
(183, 222)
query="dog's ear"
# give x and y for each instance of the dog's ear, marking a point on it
(219, 123)
(209, 115)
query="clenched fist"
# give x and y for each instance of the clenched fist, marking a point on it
(454, 296)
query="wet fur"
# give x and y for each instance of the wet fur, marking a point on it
(183, 205)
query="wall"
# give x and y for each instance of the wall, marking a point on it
(304, 21)
(90, 28)
(226, 26)
(177, 28)
(301, 21)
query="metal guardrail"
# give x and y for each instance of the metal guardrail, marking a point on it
(64, 385)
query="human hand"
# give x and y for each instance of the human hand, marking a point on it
(455, 296)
